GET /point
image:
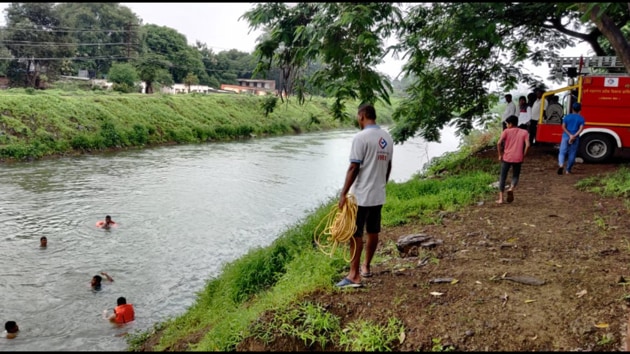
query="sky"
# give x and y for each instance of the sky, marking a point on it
(218, 26)
(215, 24)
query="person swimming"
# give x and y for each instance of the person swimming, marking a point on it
(107, 223)
(123, 312)
(43, 242)
(12, 329)
(96, 282)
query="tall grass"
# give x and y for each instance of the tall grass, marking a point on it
(34, 124)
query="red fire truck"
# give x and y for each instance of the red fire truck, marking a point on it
(605, 100)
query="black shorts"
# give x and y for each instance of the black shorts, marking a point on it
(370, 217)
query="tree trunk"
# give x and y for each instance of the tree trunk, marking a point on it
(614, 35)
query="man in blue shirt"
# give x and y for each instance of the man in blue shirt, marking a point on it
(572, 126)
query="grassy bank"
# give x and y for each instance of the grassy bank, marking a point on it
(276, 277)
(37, 124)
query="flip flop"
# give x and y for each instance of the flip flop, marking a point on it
(366, 275)
(347, 283)
(510, 196)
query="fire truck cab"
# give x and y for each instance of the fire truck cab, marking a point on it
(605, 100)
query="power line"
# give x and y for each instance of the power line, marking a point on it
(55, 44)
(116, 58)
(6, 29)
(69, 58)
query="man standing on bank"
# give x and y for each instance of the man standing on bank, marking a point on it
(370, 166)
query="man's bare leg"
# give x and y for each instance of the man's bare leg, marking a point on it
(370, 249)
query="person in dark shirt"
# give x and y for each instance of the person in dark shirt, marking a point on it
(12, 329)
(97, 280)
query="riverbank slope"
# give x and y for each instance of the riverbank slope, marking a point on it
(39, 124)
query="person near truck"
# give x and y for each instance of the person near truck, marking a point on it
(524, 112)
(537, 105)
(510, 109)
(512, 148)
(554, 111)
(572, 126)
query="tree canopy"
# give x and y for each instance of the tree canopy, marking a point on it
(46, 40)
(453, 51)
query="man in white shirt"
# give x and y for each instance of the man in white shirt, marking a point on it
(536, 108)
(370, 166)
(510, 109)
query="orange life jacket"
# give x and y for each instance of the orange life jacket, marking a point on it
(124, 313)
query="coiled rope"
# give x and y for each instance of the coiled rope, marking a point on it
(340, 226)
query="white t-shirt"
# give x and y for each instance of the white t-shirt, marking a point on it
(510, 110)
(373, 149)
(524, 117)
(536, 109)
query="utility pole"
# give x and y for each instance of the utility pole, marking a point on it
(128, 39)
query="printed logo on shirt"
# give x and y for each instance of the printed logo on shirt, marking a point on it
(382, 143)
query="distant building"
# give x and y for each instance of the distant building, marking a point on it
(182, 88)
(255, 87)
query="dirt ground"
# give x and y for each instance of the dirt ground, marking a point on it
(578, 243)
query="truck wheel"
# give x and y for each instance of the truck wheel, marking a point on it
(596, 147)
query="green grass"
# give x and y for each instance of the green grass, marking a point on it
(34, 123)
(616, 184)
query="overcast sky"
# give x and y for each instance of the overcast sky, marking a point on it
(218, 26)
(215, 24)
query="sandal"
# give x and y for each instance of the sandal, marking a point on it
(347, 283)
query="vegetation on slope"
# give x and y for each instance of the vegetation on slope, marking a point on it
(36, 124)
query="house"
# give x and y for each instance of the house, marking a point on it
(255, 87)
(183, 88)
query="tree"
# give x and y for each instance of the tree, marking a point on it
(190, 79)
(172, 48)
(104, 33)
(34, 38)
(152, 68)
(611, 26)
(209, 60)
(344, 37)
(280, 46)
(124, 77)
(457, 49)
(233, 64)
(453, 52)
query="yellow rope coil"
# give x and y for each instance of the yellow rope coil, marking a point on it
(340, 226)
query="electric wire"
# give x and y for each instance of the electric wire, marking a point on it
(340, 226)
